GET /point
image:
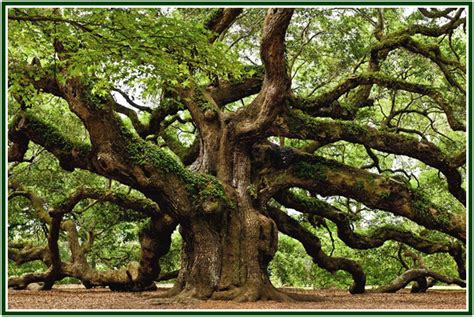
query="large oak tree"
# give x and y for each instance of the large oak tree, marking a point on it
(230, 120)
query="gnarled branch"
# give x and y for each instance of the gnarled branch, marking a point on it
(312, 245)
(259, 115)
(414, 274)
(296, 124)
(390, 83)
(328, 178)
(376, 237)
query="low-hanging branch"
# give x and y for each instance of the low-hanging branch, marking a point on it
(413, 275)
(22, 253)
(376, 237)
(292, 168)
(155, 241)
(312, 245)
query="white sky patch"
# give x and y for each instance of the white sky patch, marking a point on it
(410, 10)
(292, 211)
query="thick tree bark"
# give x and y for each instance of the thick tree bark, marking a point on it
(155, 241)
(225, 254)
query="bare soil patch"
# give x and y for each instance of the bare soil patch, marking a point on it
(78, 298)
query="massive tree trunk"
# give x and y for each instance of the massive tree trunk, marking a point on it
(226, 256)
(226, 253)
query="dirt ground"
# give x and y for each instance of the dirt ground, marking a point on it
(71, 298)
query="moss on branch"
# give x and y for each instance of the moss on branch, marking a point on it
(69, 153)
(326, 131)
(328, 178)
(203, 188)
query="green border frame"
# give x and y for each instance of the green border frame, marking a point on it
(76, 3)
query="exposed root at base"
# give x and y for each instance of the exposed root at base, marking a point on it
(238, 294)
(252, 294)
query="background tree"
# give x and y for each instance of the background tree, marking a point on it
(205, 119)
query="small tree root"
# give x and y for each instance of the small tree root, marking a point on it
(252, 294)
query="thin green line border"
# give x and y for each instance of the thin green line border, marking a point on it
(4, 164)
(46, 3)
(233, 3)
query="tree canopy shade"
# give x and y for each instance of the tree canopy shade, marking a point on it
(234, 125)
